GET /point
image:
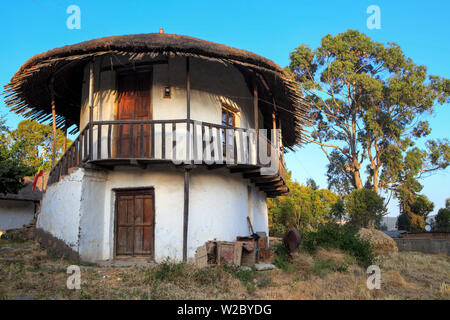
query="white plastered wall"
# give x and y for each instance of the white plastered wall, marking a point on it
(61, 209)
(15, 213)
(80, 209)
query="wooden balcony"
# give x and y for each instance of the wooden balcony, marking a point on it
(182, 142)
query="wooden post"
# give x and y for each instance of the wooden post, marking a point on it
(274, 127)
(186, 211)
(91, 109)
(52, 97)
(255, 114)
(188, 110)
(186, 169)
(274, 135)
(65, 135)
(281, 140)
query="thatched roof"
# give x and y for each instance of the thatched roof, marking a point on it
(28, 91)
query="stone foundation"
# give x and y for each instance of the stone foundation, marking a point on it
(59, 247)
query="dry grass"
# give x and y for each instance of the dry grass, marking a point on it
(328, 274)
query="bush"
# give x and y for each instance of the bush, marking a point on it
(443, 220)
(364, 207)
(332, 235)
(168, 271)
(281, 258)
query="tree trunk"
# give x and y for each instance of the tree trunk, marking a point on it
(357, 180)
(375, 180)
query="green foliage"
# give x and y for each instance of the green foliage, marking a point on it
(321, 268)
(337, 211)
(422, 206)
(32, 135)
(443, 220)
(281, 258)
(403, 222)
(364, 207)
(304, 209)
(332, 235)
(13, 168)
(168, 271)
(368, 101)
(414, 209)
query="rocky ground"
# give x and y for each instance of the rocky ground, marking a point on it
(28, 272)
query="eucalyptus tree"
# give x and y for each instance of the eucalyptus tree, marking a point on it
(368, 101)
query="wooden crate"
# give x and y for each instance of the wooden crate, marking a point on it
(248, 257)
(229, 253)
(201, 257)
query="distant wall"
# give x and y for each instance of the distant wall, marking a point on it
(423, 245)
(15, 213)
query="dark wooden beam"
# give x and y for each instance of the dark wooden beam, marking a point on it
(255, 115)
(52, 97)
(186, 212)
(258, 174)
(262, 180)
(215, 166)
(272, 184)
(245, 170)
(91, 109)
(187, 170)
(274, 188)
(188, 109)
(65, 135)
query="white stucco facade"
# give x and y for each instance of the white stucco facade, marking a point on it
(80, 209)
(15, 213)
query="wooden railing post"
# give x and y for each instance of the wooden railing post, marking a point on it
(91, 108)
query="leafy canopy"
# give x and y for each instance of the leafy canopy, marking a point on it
(368, 101)
(12, 167)
(33, 135)
(364, 207)
(304, 209)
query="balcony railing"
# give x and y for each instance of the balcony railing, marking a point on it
(179, 141)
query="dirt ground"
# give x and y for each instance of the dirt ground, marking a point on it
(28, 272)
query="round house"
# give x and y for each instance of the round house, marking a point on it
(179, 141)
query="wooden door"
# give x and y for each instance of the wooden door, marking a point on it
(134, 232)
(134, 103)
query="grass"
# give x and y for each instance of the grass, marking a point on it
(324, 274)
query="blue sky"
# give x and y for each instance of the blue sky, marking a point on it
(270, 28)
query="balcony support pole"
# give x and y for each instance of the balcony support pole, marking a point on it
(52, 97)
(65, 135)
(187, 178)
(91, 109)
(187, 169)
(255, 114)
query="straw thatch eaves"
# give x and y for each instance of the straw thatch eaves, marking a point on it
(28, 91)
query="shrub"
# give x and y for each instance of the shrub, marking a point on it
(364, 207)
(167, 270)
(332, 235)
(281, 258)
(443, 220)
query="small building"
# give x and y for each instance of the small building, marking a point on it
(180, 140)
(20, 209)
